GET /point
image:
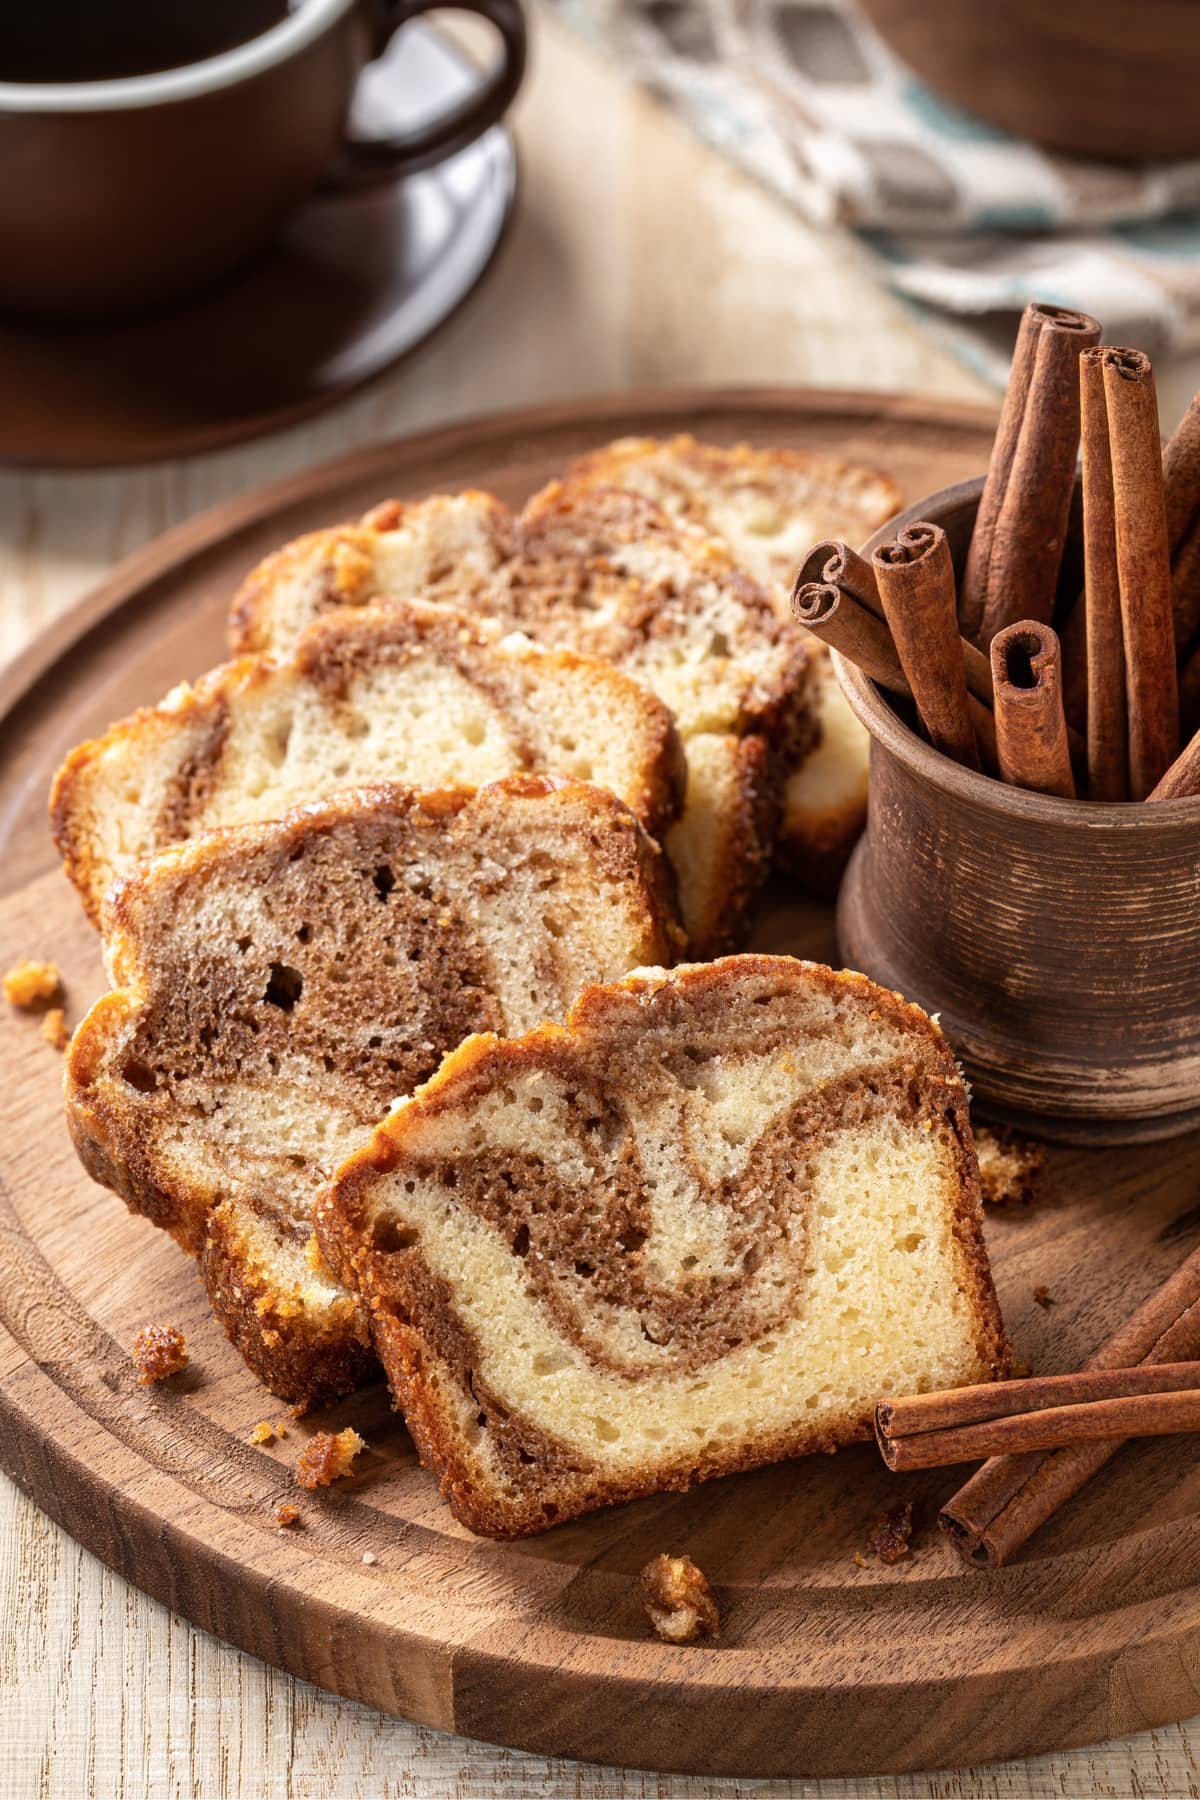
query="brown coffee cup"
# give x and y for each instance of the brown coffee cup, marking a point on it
(120, 195)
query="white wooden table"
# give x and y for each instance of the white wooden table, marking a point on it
(638, 256)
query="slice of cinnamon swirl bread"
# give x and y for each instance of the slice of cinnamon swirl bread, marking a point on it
(769, 507)
(702, 1227)
(278, 986)
(607, 573)
(411, 693)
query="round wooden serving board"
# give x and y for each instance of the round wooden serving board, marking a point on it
(824, 1666)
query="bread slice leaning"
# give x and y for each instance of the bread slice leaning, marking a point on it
(413, 693)
(278, 986)
(703, 1226)
(769, 507)
(609, 574)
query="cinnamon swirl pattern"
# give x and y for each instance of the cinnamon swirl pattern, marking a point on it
(701, 1228)
(609, 574)
(277, 986)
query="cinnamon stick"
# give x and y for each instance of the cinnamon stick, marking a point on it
(1100, 614)
(1183, 776)
(1032, 746)
(1046, 1412)
(833, 561)
(1021, 526)
(1143, 566)
(1005, 1502)
(839, 620)
(915, 576)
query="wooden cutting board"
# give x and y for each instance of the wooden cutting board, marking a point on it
(823, 1667)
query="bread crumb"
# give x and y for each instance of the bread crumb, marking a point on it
(54, 1028)
(1044, 1297)
(263, 1433)
(859, 1560)
(370, 1557)
(892, 1533)
(159, 1351)
(1020, 1368)
(27, 983)
(1012, 1168)
(679, 1601)
(286, 1515)
(280, 1428)
(327, 1456)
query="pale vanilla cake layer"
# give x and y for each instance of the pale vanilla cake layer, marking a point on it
(415, 693)
(610, 574)
(770, 507)
(707, 1225)
(278, 986)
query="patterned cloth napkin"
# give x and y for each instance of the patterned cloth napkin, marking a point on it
(962, 217)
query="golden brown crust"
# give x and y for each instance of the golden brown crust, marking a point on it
(545, 1481)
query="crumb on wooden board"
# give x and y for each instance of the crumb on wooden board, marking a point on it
(1012, 1168)
(159, 1351)
(286, 1515)
(54, 1028)
(28, 984)
(891, 1534)
(678, 1600)
(327, 1456)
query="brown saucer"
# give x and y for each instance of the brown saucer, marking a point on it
(357, 281)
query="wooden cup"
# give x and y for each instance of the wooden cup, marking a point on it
(1059, 940)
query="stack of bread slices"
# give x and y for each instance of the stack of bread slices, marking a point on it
(469, 770)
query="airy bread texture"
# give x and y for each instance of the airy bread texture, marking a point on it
(610, 574)
(412, 692)
(278, 986)
(702, 1227)
(769, 507)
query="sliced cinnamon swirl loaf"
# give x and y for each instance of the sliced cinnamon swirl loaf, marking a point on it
(279, 985)
(413, 693)
(607, 573)
(702, 1227)
(769, 507)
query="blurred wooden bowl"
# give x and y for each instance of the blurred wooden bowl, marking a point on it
(1104, 79)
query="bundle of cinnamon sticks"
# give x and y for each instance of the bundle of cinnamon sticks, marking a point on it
(1046, 1436)
(1077, 690)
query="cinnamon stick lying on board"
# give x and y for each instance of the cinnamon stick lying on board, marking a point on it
(1094, 627)
(1047, 1412)
(1032, 746)
(1183, 777)
(1021, 526)
(915, 576)
(1143, 565)
(1005, 1501)
(836, 617)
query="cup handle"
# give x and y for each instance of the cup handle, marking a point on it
(371, 162)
